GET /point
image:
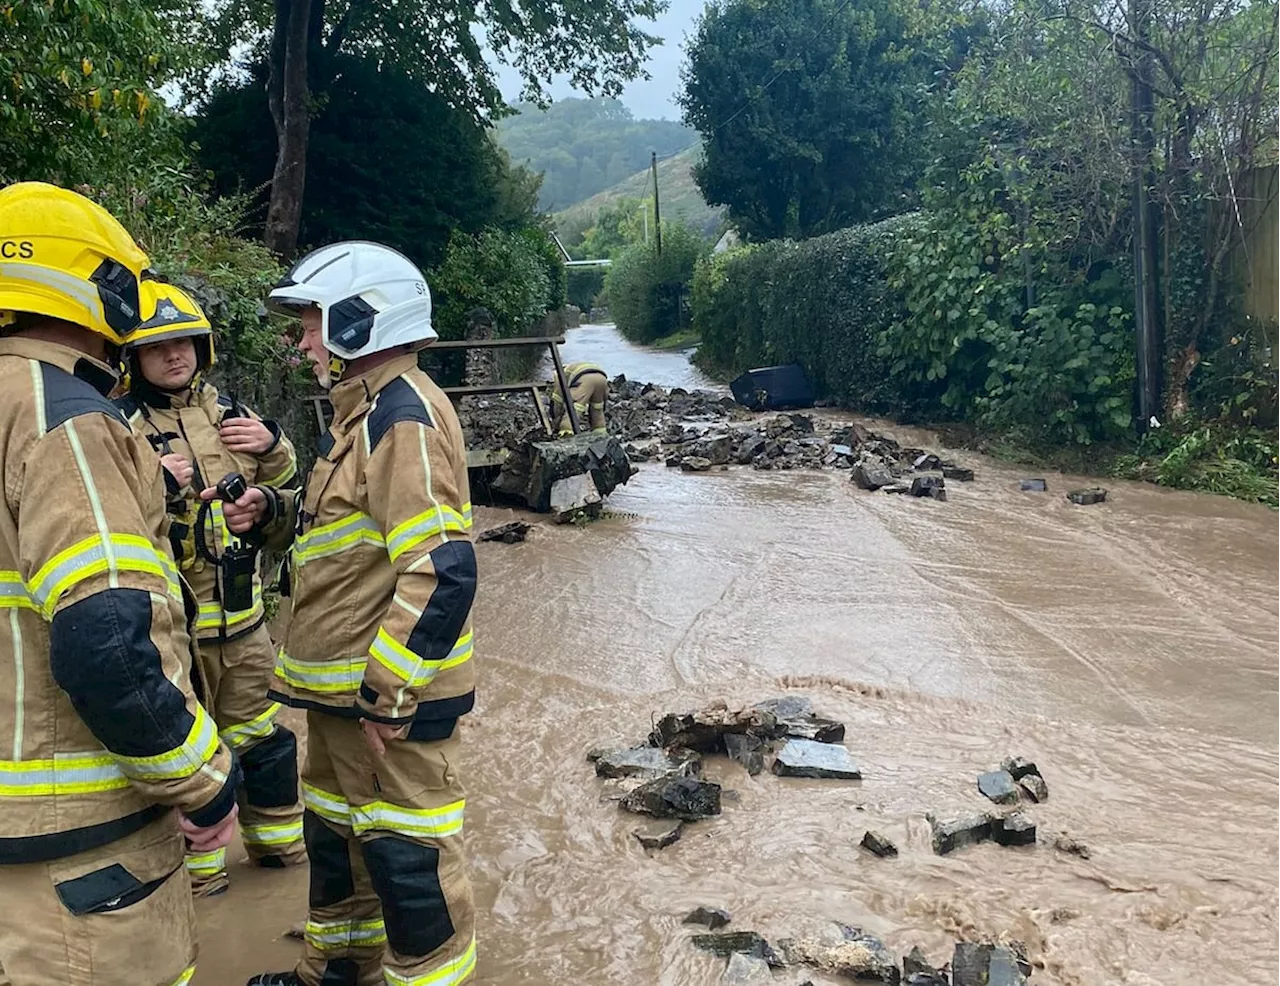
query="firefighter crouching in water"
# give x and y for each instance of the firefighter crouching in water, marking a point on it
(378, 648)
(202, 436)
(589, 390)
(103, 734)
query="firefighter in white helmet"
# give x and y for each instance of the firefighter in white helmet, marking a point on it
(202, 435)
(103, 733)
(378, 649)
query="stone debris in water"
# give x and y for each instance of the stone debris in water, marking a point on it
(573, 496)
(746, 970)
(998, 786)
(926, 462)
(726, 943)
(747, 749)
(1035, 788)
(713, 918)
(934, 487)
(511, 533)
(1086, 498)
(876, 843)
(695, 463)
(787, 707)
(914, 963)
(705, 729)
(950, 834)
(617, 788)
(1072, 847)
(534, 465)
(658, 834)
(649, 762)
(860, 956)
(1034, 486)
(1019, 767)
(985, 964)
(959, 473)
(796, 719)
(685, 798)
(1015, 830)
(871, 474)
(806, 758)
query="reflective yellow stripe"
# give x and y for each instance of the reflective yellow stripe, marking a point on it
(341, 675)
(332, 935)
(466, 514)
(186, 977)
(336, 537)
(207, 863)
(13, 592)
(431, 823)
(423, 527)
(276, 834)
(461, 652)
(287, 474)
(182, 761)
(329, 806)
(449, 974)
(416, 671)
(213, 617)
(93, 556)
(66, 773)
(259, 727)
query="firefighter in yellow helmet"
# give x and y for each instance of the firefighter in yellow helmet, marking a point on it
(589, 391)
(104, 734)
(201, 436)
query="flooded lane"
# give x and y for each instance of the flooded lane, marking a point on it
(1129, 648)
(603, 344)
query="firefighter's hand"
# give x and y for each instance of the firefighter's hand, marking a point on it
(215, 836)
(246, 435)
(378, 734)
(242, 514)
(179, 467)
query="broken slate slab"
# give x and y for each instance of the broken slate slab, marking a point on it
(747, 749)
(1072, 847)
(746, 970)
(859, 956)
(1035, 788)
(659, 833)
(577, 494)
(705, 729)
(914, 963)
(649, 762)
(686, 798)
(806, 758)
(934, 487)
(871, 474)
(876, 843)
(512, 533)
(960, 474)
(984, 964)
(726, 943)
(751, 446)
(695, 463)
(713, 918)
(950, 834)
(998, 786)
(1034, 486)
(1004, 969)
(1086, 498)
(926, 462)
(813, 728)
(927, 979)
(1019, 767)
(787, 707)
(1015, 830)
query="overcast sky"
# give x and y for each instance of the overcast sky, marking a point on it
(649, 98)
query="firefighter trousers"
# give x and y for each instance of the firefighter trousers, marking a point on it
(588, 396)
(118, 914)
(390, 896)
(237, 673)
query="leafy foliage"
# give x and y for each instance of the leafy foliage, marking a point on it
(1210, 458)
(649, 292)
(823, 302)
(502, 271)
(583, 146)
(366, 178)
(808, 112)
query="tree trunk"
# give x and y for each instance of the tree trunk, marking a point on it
(287, 95)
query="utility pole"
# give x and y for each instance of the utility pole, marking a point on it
(1146, 316)
(657, 214)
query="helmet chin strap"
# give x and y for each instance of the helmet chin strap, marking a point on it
(337, 367)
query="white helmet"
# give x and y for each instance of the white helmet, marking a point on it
(371, 297)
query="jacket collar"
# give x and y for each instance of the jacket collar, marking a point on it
(350, 397)
(99, 375)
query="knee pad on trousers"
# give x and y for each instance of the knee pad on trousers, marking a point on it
(330, 855)
(271, 771)
(406, 878)
(341, 972)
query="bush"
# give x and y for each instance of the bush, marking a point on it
(507, 273)
(649, 293)
(1209, 458)
(822, 302)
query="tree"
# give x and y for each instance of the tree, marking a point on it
(440, 43)
(650, 292)
(808, 112)
(367, 178)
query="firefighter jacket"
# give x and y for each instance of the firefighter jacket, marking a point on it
(382, 570)
(186, 424)
(101, 727)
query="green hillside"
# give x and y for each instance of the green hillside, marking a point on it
(680, 199)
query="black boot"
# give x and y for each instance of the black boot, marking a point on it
(289, 978)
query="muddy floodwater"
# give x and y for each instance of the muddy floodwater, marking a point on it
(1129, 648)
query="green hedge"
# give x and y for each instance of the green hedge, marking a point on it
(649, 293)
(822, 302)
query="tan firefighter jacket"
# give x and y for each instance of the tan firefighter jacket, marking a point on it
(99, 723)
(186, 424)
(382, 568)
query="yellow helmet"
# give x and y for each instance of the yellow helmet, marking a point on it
(172, 314)
(66, 257)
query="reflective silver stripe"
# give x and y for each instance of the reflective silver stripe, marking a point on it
(259, 727)
(336, 537)
(343, 674)
(331, 807)
(91, 556)
(66, 773)
(450, 974)
(13, 592)
(330, 935)
(275, 834)
(431, 823)
(208, 863)
(199, 747)
(423, 527)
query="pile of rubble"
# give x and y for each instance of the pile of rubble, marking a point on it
(851, 953)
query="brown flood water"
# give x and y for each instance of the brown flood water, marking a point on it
(1129, 648)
